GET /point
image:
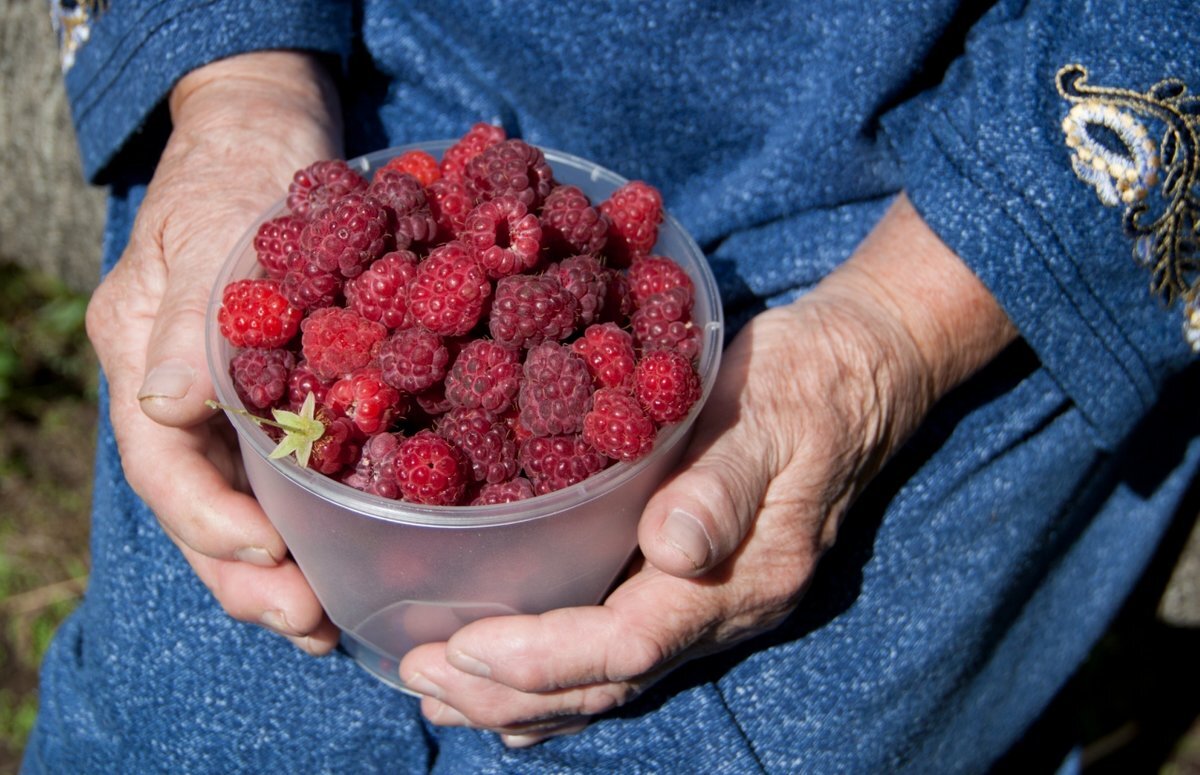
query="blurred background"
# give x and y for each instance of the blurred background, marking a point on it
(1133, 708)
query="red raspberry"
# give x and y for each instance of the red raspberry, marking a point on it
(608, 351)
(404, 198)
(348, 235)
(450, 203)
(367, 399)
(504, 236)
(308, 286)
(516, 489)
(570, 225)
(555, 462)
(450, 291)
(666, 385)
(477, 139)
(586, 280)
(337, 341)
(302, 381)
(339, 446)
(413, 359)
(417, 163)
(316, 186)
(485, 374)
(433, 401)
(618, 299)
(381, 292)
(530, 309)
(254, 313)
(375, 472)
(511, 167)
(487, 443)
(260, 376)
(277, 244)
(651, 275)
(556, 392)
(617, 425)
(664, 321)
(431, 470)
(635, 210)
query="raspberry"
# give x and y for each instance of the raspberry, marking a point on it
(316, 186)
(337, 341)
(666, 385)
(486, 442)
(555, 462)
(511, 167)
(477, 139)
(450, 203)
(375, 471)
(556, 391)
(260, 376)
(504, 236)
(366, 399)
(485, 374)
(586, 280)
(516, 489)
(531, 309)
(429, 469)
(651, 275)
(339, 446)
(433, 401)
(618, 299)
(413, 359)
(608, 351)
(302, 381)
(381, 292)
(277, 244)
(664, 321)
(417, 163)
(404, 198)
(635, 210)
(307, 286)
(348, 235)
(570, 225)
(255, 313)
(617, 425)
(450, 291)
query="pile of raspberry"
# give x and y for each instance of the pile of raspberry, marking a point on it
(473, 332)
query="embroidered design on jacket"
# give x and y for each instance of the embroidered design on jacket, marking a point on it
(72, 22)
(1112, 136)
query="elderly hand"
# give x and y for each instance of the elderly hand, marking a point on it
(810, 402)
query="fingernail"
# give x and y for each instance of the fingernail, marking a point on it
(255, 555)
(687, 534)
(275, 620)
(423, 686)
(521, 741)
(170, 379)
(469, 664)
(448, 717)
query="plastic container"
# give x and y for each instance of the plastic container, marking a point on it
(392, 574)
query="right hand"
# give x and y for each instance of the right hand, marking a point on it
(241, 127)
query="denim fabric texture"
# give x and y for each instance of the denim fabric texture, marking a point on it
(972, 577)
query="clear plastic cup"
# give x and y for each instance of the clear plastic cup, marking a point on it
(393, 574)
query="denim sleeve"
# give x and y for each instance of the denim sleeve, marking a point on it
(1058, 158)
(134, 51)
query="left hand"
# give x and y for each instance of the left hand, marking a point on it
(811, 400)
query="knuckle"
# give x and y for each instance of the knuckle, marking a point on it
(603, 698)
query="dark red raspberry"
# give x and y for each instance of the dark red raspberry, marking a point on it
(375, 472)
(485, 374)
(570, 225)
(664, 321)
(417, 163)
(337, 341)
(339, 446)
(450, 203)
(618, 299)
(516, 489)
(260, 376)
(666, 385)
(431, 470)
(555, 462)
(316, 186)
(530, 309)
(367, 399)
(652, 275)
(486, 441)
(403, 196)
(277, 244)
(308, 286)
(478, 138)
(347, 236)
(617, 425)
(302, 381)
(255, 313)
(635, 210)
(450, 291)
(608, 351)
(504, 236)
(556, 392)
(511, 167)
(433, 401)
(413, 359)
(381, 292)
(586, 280)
